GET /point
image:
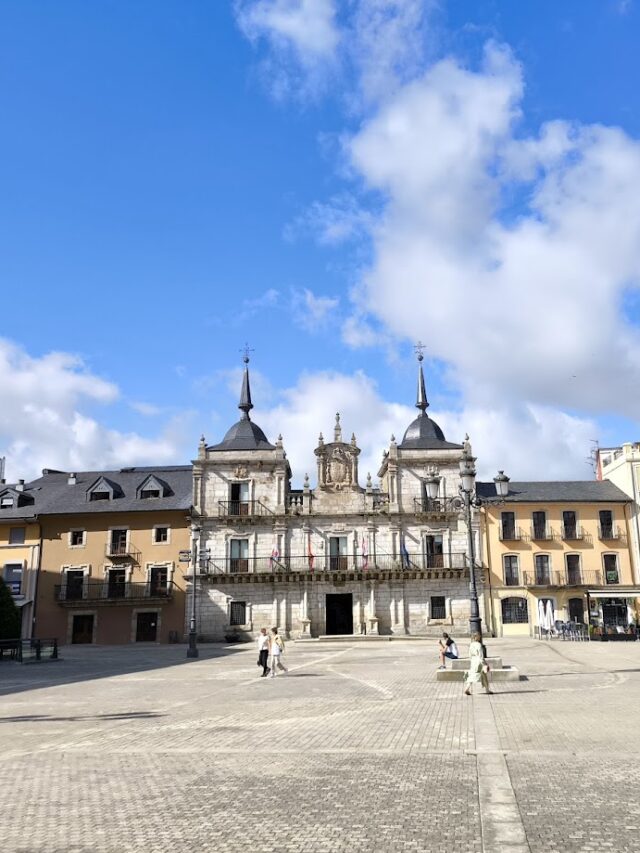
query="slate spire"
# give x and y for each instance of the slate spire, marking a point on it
(245, 404)
(421, 403)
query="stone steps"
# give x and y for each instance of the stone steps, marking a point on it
(358, 638)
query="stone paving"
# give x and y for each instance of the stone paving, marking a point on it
(357, 749)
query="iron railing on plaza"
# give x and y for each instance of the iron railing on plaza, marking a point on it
(96, 591)
(24, 651)
(338, 563)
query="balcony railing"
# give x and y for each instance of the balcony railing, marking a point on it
(572, 532)
(437, 506)
(242, 509)
(509, 533)
(541, 532)
(119, 548)
(608, 532)
(113, 592)
(328, 563)
(563, 578)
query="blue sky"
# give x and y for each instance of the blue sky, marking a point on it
(169, 171)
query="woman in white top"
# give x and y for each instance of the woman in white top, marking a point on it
(277, 648)
(477, 667)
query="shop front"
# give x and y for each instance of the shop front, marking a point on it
(613, 615)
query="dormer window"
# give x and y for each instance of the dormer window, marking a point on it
(145, 494)
(153, 488)
(103, 490)
(6, 502)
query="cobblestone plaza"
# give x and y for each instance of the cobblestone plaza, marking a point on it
(357, 749)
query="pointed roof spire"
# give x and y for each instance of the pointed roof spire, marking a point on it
(421, 403)
(245, 405)
(337, 430)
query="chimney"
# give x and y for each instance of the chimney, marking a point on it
(71, 481)
(2, 481)
(20, 486)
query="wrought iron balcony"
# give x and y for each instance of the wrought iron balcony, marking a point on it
(437, 506)
(541, 533)
(119, 548)
(572, 577)
(335, 563)
(608, 532)
(509, 533)
(572, 532)
(242, 509)
(112, 592)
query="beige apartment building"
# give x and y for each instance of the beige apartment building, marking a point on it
(20, 547)
(561, 542)
(109, 566)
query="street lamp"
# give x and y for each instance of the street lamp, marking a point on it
(467, 492)
(432, 485)
(192, 651)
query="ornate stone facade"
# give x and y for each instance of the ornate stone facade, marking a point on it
(338, 558)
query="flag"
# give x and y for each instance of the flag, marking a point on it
(310, 554)
(275, 556)
(404, 553)
(365, 554)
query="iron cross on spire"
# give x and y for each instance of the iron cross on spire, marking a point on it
(245, 352)
(419, 349)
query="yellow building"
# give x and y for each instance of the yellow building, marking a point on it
(566, 543)
(20, 547)
(110, 569)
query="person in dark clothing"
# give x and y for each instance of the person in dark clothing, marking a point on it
(263, 651)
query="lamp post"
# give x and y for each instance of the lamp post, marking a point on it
(467, 492)
(192, 651)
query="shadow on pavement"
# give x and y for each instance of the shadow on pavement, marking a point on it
(87, 663)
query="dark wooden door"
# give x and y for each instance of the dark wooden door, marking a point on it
(82, 629)
(146, 627)
(339, 613)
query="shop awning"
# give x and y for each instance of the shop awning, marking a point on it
(614, 593)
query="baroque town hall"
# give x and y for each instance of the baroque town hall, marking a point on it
(337, 557)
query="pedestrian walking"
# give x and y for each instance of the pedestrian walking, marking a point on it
(263, 651)
(277, 650)
(478, 668)
(448, 649)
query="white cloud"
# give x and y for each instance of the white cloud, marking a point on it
(333, 222)
(146, 409)
(525, 308)
(312, 312)
(302, 36)
(42, 423)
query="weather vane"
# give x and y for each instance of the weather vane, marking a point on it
(245, 352)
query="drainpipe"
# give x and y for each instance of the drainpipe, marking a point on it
(486, 536)
(636, 553)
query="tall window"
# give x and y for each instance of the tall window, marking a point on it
(239, 499)
(158, 580)
(434, 552)
(118, 542)
(573, 568)
(511, 570)
(76, 538)
(338, 553)
(611, 568)
(606, 524)
(543, 573)
(569, 525)
(75, 584)
(539, 525)
(514, 611)
(239, 555)
(508, 525)
(116, 583)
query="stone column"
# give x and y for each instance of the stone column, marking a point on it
(372, 621)
(398, 624)
(305, 621)
(274, 608)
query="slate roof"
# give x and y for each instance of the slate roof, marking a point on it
(54, 496)
(557, 491)
(28, 508)
(243, 435)
(424, 434)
